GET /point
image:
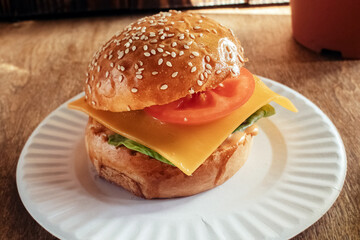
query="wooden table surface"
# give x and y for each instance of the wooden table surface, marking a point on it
(43, 62)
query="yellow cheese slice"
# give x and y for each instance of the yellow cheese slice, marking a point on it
(187, 147)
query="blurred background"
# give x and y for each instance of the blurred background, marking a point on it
(25, 9)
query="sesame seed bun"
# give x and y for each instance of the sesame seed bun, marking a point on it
(150, 178)
(159, 59)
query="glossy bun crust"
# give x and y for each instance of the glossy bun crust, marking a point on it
(159, 59)
(150, 178)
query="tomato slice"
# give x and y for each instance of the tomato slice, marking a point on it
(203, 107)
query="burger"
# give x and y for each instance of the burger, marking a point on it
(171, 107)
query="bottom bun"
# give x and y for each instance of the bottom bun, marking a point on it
(149, 178)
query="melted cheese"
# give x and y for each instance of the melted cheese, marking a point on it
(187, 147)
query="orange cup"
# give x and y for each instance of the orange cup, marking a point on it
(327, 25)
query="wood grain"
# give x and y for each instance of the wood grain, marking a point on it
(42, 64)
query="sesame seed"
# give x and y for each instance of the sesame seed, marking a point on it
(127, 51)
(218, 72)
(139, 76)
(105, 56)
(134, 90)
(141, 69)
(127, 44)
(122, 68)
(185, 119)
(174, 44)
(208, 66)
(197, 27)
(152, 34)
(93, 103)
(164, 87)
(167, 29)
(165, 55)
(193, 69)
(202, 77)
(87, 80)
(186, 46)
(86, 97)
(121, 78)
(206, 74)
(191, 91)
(98, 68)
(200, 21)
(181, 53)
(153, 52)
(111, 64)
(89, 89)
(92, 78)
(106, 74)
(141, 63)
(190, 64)
(214, 30)
(120, 54)
(172, 23)
(181, 37)
(98, 84)
(207, 58)
(163, 37)
(136, 66)
(130, 41)
(147, 54)
(154, 73)
(145, 47)
(201, 34)
(153, 41)
(110, 57)
(167, 52)
(173, 54)
(174, 74)
(160, 50)
(192, 36)
(200, 83)
(161, 45)
(241, 58)
(133, 48)
(208, 71)
(195, 54)
(160, 61)
(168, 64)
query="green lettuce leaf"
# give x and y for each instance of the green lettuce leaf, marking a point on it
(118, 140)
(265, 111)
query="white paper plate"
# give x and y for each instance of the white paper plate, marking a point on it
(294, 174)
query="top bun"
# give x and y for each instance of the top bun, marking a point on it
(159, 59)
